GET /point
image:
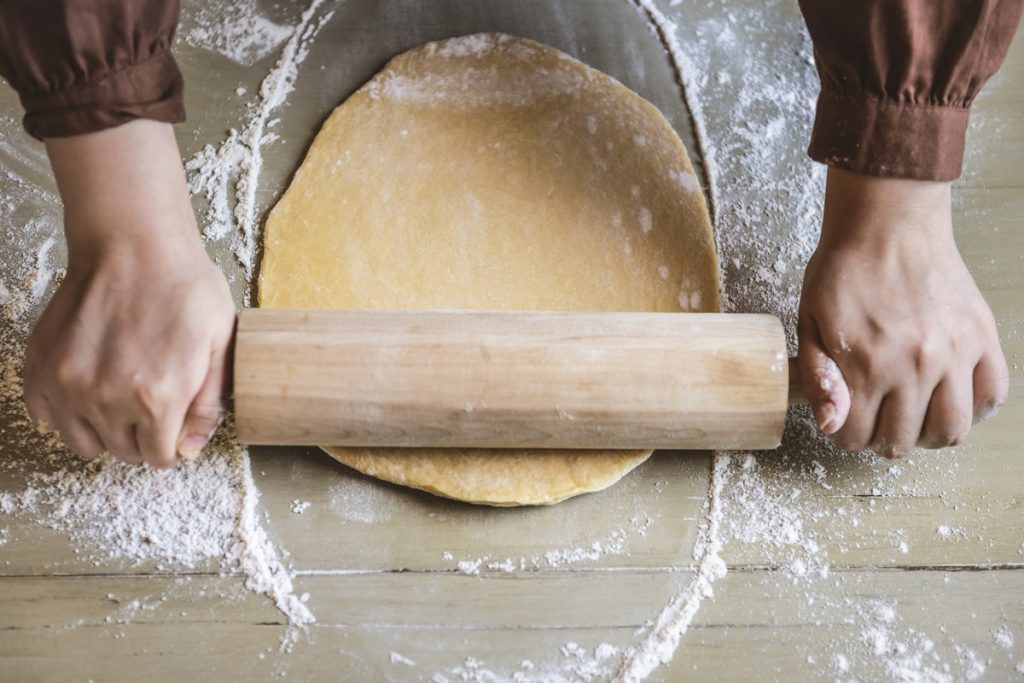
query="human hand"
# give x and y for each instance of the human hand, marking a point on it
(130, 354)
(897, 345)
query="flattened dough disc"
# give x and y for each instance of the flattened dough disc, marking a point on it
(492, 172)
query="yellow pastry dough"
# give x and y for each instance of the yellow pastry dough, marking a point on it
(492, 172)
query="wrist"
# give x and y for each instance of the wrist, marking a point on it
(859, 206)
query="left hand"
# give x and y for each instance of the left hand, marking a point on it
(888, 299)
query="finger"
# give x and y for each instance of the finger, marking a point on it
(206, 410)
(824, 385)
(119, 440)
(949, 413)
(862, 422)
(157, 433)
(991, 384)
(79, 436)
(900, 419)
(136, 459)
(39, 411)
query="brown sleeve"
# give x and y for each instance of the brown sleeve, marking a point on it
(898, 78)
(81, 66)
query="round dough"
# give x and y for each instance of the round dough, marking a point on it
(492, 172)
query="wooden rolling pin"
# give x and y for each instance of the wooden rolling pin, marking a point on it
(496, 379)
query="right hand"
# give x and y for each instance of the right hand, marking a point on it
(897, 345)
(130, 354)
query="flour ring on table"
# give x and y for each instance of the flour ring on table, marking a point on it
(492, 172)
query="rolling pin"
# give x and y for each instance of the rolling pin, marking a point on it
(501, 379)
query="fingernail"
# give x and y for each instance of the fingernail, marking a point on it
(826, 418)
(191, 446)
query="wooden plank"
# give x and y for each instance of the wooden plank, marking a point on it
(357, 523)
(785, 630)
(995, 130)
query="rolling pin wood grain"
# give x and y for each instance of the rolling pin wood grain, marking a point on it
(498, 379)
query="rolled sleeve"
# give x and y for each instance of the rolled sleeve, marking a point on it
(80, 66)
(898, 78)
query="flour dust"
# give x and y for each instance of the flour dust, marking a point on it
(201, 516)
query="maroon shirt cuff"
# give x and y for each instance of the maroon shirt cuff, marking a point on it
(81, 66)
(887, 138)
(898, 78)
(151, 89)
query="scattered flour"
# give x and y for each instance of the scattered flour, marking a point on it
(236, 30)
(612, 544)
(229, 174)
(202, 514)
(659, 643)
(1003, 637)
(397, 658)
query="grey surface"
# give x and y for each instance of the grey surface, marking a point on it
(362, 35)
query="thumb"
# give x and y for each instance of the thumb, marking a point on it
(826, 390)
(206, 410)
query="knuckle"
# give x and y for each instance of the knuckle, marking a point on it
(154, 397)
(122, 450)
(953, 431)
(83, 449)
(70, 377)
(106, 395)
(926, 354)
(864, 362)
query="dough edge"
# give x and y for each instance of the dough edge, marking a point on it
(558, 481)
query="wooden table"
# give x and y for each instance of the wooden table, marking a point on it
(381, 563)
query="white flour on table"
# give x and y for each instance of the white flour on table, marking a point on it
(614, 543)
(202, 514)
(229, 174)
(199, 515)
(236, 30)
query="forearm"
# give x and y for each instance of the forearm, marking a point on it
(123, 186)
(129, 355)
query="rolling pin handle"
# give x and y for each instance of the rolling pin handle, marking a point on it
(796, 384)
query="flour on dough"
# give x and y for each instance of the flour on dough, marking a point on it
(492, 172)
